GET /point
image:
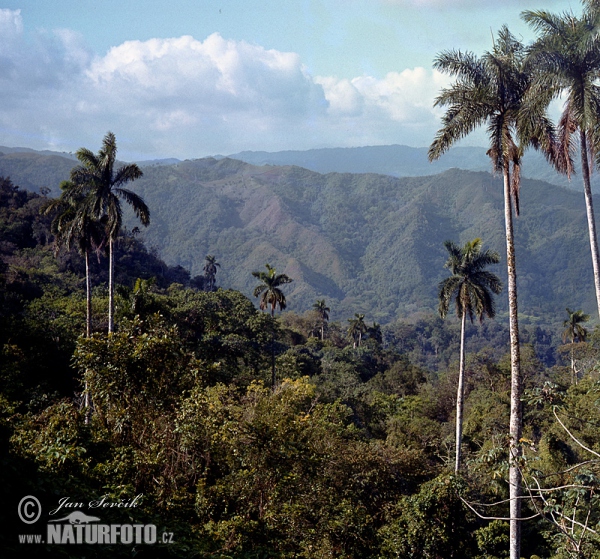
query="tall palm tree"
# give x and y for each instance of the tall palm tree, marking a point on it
(574, 331)
(471, 286)
(356, 329)
(269, 290)
(271, 294)
(73, 225)
(210, 271)
(102, 185)
(323, 311)
(566, 56)
(494, 90)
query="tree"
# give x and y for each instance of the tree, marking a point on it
(322, 311)
(271, 294)
(356, 329)
(574, 331)
(495, 90)
(567, 61)
(210, 272)
(73, 224)
(269, 290)
(102, 187)
(472, 287)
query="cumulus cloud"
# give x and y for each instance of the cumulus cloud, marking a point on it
(185, 97)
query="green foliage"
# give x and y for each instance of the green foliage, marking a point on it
(366, 243)
(346, 457)
(430, 524)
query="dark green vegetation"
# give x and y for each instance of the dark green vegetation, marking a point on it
(366, 243)
(347, 457)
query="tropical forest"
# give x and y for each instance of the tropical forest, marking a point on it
(259, 359)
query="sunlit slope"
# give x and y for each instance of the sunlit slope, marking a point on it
(365, 242)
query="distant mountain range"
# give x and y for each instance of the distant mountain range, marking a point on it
(368, 243)
(394, 160)
(403, 161)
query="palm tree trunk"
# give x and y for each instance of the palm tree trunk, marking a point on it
(461, 392)
(111, 286)
(516, 412)
(88, 325)
(88, 296)
(573, 372)
(273, 372)
(589, 206)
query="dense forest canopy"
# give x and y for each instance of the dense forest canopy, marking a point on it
(346, 457)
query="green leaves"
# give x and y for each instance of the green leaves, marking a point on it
(470, 284)
(269, 289)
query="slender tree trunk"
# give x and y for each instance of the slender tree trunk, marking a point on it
(273, 372)
(88, 325)
(516, 385)
(461, 392)
(589, 206)
(111, 286)
(88, 296)
(573, 377)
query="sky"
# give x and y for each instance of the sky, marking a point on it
(194, 78)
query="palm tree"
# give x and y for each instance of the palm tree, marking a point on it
(269, 289)
(574, 331)
(210, 271)
(566, 57)
(472, 286)
(322, 311)
(356, 329)
(495, 90)
(73, 225)
(271, 294)
(102, 186)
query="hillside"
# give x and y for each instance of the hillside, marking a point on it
(403, 161)
(365, 242)
(47, 168)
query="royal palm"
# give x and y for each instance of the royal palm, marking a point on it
(357, 329)
(493, 90)
(566, 57)
(574, 331)
(102, 185)
(73, 225)
(271, 295)
(322, 310)
(210, 271)
(471, 287)
(269, 289)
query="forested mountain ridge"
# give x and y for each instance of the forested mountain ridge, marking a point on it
(347, 452)
(367, 243)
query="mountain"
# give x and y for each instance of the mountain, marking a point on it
(34, 170)
(367, 243)
(394, 160)
(403, 161)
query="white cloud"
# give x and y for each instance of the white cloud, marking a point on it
(187, 98)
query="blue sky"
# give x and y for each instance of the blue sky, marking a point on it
(190, 78)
